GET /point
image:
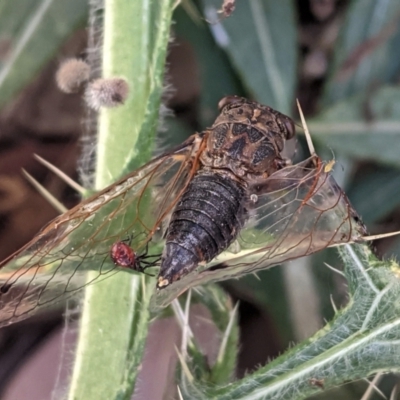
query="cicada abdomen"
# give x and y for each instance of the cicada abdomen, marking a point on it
(204, 223)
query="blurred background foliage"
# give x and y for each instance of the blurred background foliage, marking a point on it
(340, 58)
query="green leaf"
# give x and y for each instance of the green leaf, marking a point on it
(113, 331)
(263, 54)
(35, 30)
(217, 77)
(126, 133)
(363, 338)
(266, 290)
(224, 316)
(364, 52)
(116, 315)
(376, 194)
(217, 367)
(364, 127)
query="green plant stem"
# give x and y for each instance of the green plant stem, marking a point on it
(115, 314)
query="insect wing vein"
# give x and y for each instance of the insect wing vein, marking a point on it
(53, 266)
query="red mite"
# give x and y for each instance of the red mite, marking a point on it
(124, 256)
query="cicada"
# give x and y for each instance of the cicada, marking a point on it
(222, 204)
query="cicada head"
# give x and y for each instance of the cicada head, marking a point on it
(266, 119)
(247, 137)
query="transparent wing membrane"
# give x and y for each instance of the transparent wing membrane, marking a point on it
(297, 211)
(54, 264)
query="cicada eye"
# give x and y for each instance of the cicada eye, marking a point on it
(290, 128)
(228, 100)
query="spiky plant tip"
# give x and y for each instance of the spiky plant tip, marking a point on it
(227, 333)
(45, 193)
(185, 368)
(69, 181)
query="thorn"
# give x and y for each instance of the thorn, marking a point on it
(380, 236)
(180, 316)
(179, 392)
(227, 332)
(206, 320)
(367, 238)
(333, 304)
(334, 269)
(143, 282)
(176, 4)
(192, 12)
(186, 328)
(395, 392)
(197, 289)
(256, 276)
(372, 386)
(61, 175)
(185, 367)
(45, 193)
(306, 131)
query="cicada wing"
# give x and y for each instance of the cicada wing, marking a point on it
(299, 209)
(295, 212)
(55, 263)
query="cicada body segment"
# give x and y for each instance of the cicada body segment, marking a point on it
(204, 223)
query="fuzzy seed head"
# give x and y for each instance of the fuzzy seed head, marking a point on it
(108, 93)
(71, 74)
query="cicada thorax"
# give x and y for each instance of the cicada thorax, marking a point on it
(244, 143)
(247, 138)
